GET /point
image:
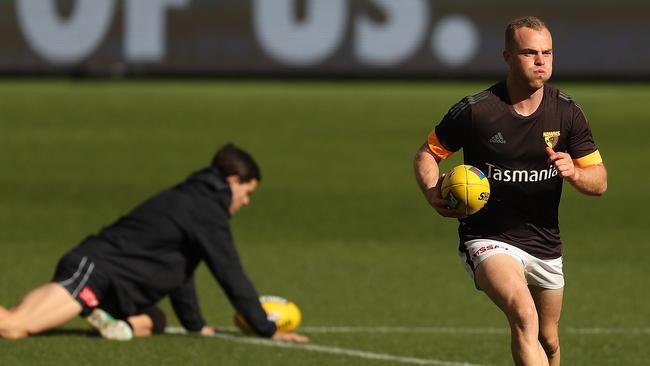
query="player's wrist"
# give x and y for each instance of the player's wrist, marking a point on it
(576, 175)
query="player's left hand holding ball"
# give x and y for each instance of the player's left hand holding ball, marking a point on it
(439, 203)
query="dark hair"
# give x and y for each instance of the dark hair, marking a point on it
(531, 22)
(231, 160)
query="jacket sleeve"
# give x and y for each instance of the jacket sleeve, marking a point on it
(186, 306)
(213, 237)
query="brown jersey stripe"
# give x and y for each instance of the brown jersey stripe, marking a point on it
(568, 99)
(467, 101)
(564, 96)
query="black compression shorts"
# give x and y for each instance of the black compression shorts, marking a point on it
(84, 281)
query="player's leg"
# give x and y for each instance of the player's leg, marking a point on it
(108, 326)
(502, 278)
(149, 321)
(41, 309)
(3, 312)
(142, 325)
(549, 308)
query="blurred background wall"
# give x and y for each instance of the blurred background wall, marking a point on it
(313, 38)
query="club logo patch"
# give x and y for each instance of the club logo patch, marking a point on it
(551, 138)
(89, 297)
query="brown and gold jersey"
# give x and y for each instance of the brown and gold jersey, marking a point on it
(510, 150)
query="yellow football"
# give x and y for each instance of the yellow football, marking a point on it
(284, 313)
(466, 188)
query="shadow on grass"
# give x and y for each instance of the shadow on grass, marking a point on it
(90, 333)
(177, 331)
(69, 332)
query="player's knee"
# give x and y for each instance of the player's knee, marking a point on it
(550, 343)
(158, 319)
(523, 317)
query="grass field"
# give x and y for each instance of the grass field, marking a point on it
(338, 224)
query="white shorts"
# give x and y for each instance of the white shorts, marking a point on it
(539, 272)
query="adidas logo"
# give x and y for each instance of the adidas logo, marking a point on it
(498, 139)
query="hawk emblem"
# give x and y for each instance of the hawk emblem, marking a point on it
(551, 138)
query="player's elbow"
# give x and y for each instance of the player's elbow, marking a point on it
(602, 189)
(596, 183)
(598, 190)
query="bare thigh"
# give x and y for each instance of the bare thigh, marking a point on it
(502, 278)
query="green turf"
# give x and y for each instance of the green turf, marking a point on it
(338, 224)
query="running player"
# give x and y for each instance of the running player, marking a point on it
(527, 137)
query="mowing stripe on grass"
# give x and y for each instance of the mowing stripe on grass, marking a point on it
(456, 330)
(397, 329)
(328, 349)
(465, 330)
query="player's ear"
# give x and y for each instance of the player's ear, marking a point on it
(506, 56)
(233, 179)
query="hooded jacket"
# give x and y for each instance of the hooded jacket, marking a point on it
(154, 250)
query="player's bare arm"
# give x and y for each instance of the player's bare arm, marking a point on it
(207, 330)
(590, 180)
(427, 174)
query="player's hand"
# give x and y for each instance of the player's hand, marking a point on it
(207, 331)
(289, 337)
(563, 164)
(440, 204)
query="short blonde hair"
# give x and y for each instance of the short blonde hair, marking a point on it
(531, 22)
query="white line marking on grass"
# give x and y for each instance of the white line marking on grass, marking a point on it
(600, 331)
(328, 349)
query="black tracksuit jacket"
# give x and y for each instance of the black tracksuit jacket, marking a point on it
(154, 250)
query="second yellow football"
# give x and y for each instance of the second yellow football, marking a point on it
(284, 313)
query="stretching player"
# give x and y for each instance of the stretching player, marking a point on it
(116, 276)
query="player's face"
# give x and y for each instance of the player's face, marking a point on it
(241, 193)
(531, 59)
